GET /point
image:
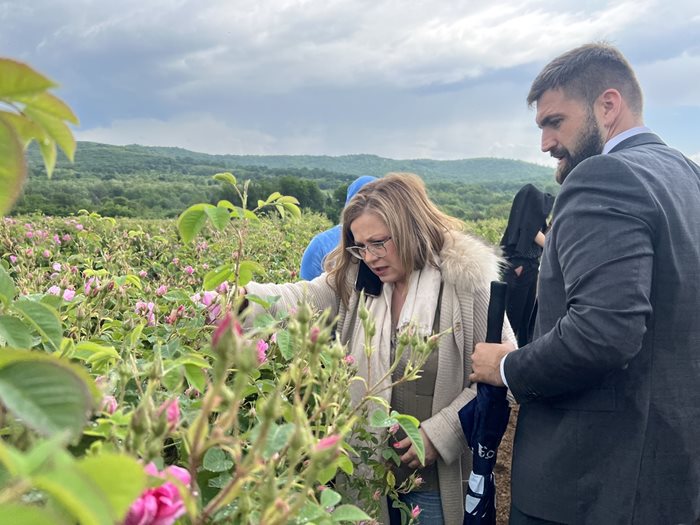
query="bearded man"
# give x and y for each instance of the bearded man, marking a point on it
(609, 390)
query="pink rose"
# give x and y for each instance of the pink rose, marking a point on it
(262, 351)
(159, 505)
(109, 404)
(189, 270)
(327, 442)
(415, 512)
(54, 290)
(172, 412)
(68, 294)
(162, 290)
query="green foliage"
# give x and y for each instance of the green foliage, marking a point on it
(31, 113)
(137, 181)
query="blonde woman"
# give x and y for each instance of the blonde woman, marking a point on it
(416, 265)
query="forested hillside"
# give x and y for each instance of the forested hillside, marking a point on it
(155, 182)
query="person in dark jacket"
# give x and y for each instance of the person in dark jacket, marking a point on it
(522, 245)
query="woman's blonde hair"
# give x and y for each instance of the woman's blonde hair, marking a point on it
(417, 227)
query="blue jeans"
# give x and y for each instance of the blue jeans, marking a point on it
(430, 505)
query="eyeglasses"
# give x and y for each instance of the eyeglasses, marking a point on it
(375, 248)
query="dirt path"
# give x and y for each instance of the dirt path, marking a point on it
(505, 452)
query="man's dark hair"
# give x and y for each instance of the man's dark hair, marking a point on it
(585, 72)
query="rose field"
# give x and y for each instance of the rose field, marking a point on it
(143, 399)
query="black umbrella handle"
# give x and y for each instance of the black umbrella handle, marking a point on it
(497, 309)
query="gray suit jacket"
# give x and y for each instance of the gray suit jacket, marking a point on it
(609, 423)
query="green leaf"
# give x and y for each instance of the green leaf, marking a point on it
(219, 217)
(284, 341)
(293, 209)
(47, 394)
(18, 79)
(246, 271)
(226, 177)
(310, 512)
(78, 494)
(97, 354)
(215, 277)
(14, 332)
(326, 474)
(277, 437)
(25, 129)
(13, 168)
(329, 498)
(345, 464)
(409, 424)
(379, 418)
(56, 129)
(287, 199)
(51, 105)
(217, 460)
(191, 221)
(120, 478)
(348, 513)
(48, 153)
(43, 318)
(27, 515)
(7, 287)
(196, 377)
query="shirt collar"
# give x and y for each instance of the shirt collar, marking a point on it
(609, 145)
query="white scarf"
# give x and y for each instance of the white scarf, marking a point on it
(418, 308)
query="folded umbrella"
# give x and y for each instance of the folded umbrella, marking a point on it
(484, 420)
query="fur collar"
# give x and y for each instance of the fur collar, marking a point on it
(469, 262)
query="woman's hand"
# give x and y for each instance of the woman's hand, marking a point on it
(410, 457)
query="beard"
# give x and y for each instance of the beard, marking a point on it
(589, 143)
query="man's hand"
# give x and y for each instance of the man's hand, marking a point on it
(410, 457)
(486, 362)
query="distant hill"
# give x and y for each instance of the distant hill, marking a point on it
(93, 156)
(162, 181)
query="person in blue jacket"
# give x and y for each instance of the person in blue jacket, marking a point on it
(323, 243)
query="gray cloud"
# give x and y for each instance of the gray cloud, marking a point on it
(418, 79)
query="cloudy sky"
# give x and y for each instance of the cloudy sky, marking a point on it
(441, 79)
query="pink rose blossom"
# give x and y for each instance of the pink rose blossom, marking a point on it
(415, 512)
(172, 412)
(56, 266)
(143, 273)
(189, 270)
(79, 227)
(54, 290)
(46, 253)
(13, 259)
(176, 261)
(313, 334)
(222, 288)
(226, 325)
(349, 360)
(109, 404)
(162, 290)
(327, 442)
(68, 294)
(66, 237)
(29, 252)
(262, 351)
(56, 239)
(29, 235)
(159, 505)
